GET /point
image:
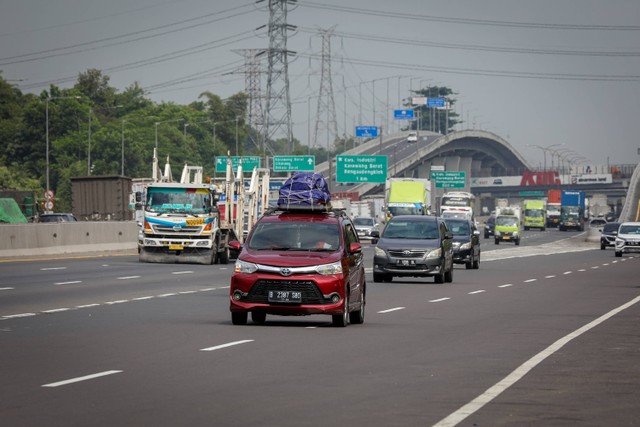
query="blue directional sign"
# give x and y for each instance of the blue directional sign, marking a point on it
(367, 131)
(403, 114)
(435, 102)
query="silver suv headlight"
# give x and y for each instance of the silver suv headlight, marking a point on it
(465, 246)
(245, 267)
(436, 253)
(379, 252)
(329, 269)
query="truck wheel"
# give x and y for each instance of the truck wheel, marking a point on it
(223, 257)
(476, 262)
(497, 241)
(439, 278)
(618, 254)
(377, 278)
(469, 265)
(518, 242)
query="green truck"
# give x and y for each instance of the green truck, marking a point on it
(508, 225)
(535, 214)
(407, 196)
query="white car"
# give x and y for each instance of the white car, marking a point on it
(412, 137)
(628, 238)
(364, 225)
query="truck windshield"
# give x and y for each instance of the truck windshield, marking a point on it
(507, 221)
(405, 210)
(178, 200)
(570, 210)
(534, 213)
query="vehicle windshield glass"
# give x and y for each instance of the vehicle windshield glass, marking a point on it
(629, 229)
(456, 201)
(507, 221)
(534, 213)
(458, 228)
(404, 210)
(178, 200)
(570, 210)
(363, 221)
(610, 227)
(411, 230)
(295, 236)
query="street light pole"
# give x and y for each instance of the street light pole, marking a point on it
(89, 145)
(237, 118)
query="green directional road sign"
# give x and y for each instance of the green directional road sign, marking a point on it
(361, 169)
(448, 179)
(248, 163)
(294, 163)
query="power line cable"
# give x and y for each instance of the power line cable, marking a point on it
(475, 47)
(470, 21)
(107, 39)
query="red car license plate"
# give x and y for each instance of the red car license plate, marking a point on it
(285, 296)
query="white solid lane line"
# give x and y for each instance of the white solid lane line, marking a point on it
(230, 344)
(391, 309)
(494, 391)
(79, 379)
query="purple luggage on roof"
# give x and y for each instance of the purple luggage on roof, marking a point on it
(304, 189)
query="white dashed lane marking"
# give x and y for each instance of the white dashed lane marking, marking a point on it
(391, 309)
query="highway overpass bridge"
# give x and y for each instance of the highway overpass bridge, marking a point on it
(484, 157)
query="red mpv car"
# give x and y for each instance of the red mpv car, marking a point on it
(299, 263)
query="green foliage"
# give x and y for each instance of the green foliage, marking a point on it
(16, 179)
(129, 123)
(432, 119)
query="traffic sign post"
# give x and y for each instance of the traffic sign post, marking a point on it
(361, 169)
(294, 163)
(366, 131)
(248, 163)
(448, 179)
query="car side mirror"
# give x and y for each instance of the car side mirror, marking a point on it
(448, 235)
(476, 233)
(615, 233)
(235, 245)
(355, 248)
(375, 234)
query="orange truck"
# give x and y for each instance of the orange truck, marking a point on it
(553, 208)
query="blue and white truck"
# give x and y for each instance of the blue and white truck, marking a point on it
(572, 210)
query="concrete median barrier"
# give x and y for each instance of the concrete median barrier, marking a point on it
(18, 240)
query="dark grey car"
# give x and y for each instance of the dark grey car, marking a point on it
(414, 246)
(608, 236)
(466, 242)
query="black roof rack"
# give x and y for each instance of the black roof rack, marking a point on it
(319, 209)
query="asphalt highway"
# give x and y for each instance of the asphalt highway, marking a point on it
(545, 333)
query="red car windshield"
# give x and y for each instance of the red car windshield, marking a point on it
(295, 236)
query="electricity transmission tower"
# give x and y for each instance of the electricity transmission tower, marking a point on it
(277, 112)
(326, 103)
(255, 115)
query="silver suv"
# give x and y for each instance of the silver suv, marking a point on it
(628, 238)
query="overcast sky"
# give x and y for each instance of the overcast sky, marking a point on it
(534, 72)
